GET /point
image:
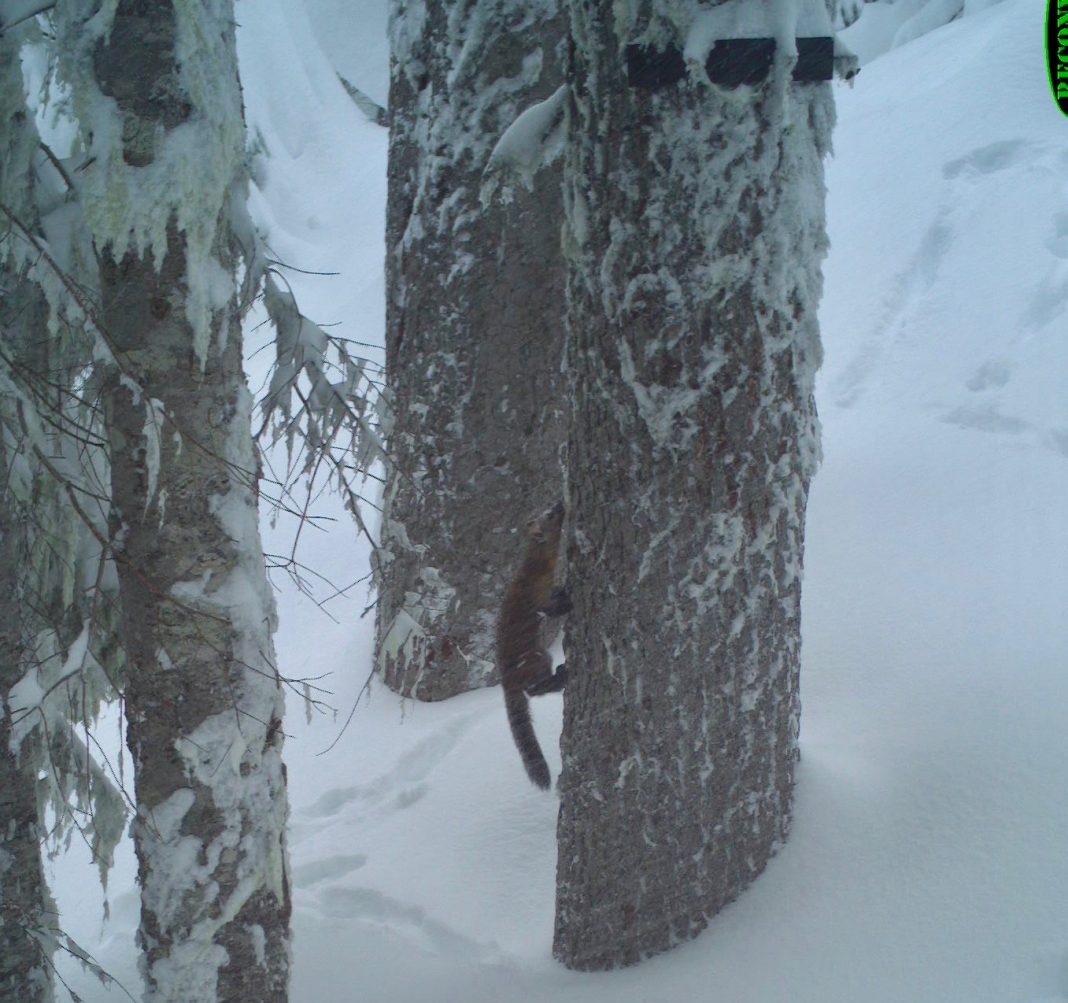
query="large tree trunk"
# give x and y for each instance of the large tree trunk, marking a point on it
(203, 700)
(696, 235)
(474, 335)
(202, 696)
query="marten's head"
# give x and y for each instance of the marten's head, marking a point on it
(543, 531)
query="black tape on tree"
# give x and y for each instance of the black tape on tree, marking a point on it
(732, 62)
(649, 68)
(815, 60)
(736, 61)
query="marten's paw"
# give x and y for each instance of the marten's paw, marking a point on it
(559, 602)
(549, 683)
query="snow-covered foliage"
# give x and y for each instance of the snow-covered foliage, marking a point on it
(56, 476)
(321, 397)
(58, 656)
(326, 404)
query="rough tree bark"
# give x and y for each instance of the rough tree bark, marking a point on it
(203, 701)
(474, 335)
(695, 236)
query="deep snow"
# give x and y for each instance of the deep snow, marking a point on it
(927, 862)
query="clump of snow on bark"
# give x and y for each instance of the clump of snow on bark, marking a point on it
(153, 426)
(534, 140)
(190, 971)
(788, 253)
(460, 119)
(243, 589)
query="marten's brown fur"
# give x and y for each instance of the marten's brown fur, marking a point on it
(525, 666)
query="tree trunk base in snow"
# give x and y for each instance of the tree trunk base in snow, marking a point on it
(696, 234)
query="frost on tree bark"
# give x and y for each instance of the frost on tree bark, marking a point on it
(156, 93)
(695, 237)
(474, 335)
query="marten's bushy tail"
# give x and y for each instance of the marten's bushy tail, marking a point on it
(518, 707)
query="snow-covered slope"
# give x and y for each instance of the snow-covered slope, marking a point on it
(927, 863)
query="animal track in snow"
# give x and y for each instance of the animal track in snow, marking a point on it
(994, 373)
(407, 920)
(1057, 244)
(408, 796)
(985, 418)
(893, 325)
(989, 159)
(402, 785)
(1049, 301)
(1058, 440)
(904, 294)
(311, 873)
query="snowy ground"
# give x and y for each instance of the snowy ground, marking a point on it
(927, 863)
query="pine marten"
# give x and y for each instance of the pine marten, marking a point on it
(525, 666)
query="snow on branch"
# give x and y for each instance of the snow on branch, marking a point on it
(15, 12)
(57, 557)
(326, 404)
(371, 108)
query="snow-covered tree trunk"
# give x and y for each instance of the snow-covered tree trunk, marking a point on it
(695, 237)
(202, 697)
(156, 95)
(474, 335)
